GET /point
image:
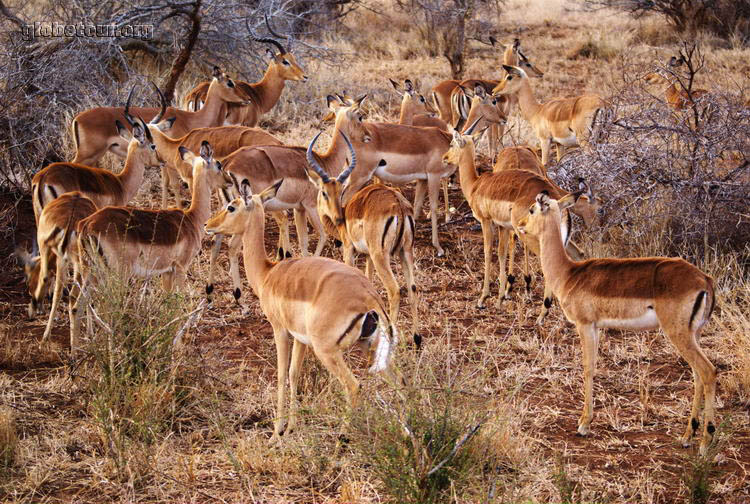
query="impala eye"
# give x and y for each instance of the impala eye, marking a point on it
(531, 211)
(230, 83)
(325, 195)
(510, 77)
(421, 98)
(286, 63)
(230, 209)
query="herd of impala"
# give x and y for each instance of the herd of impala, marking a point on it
(311, 301)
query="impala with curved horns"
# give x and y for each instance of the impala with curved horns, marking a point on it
(565, 121)
(94, 131)
(261, 95)
(262, 167)
(314, 301)
(377, 221)
(634, 293)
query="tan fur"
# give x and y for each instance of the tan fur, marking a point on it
(313, 300)
(261, 96)
(150, 242)
(676, 98)
(101, 186)
(95, 133)
(642, 293)
(559, 120)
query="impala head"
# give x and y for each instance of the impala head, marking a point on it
(234, 218)
(545, 211)
(588, 206)
(463, 143)
(488, 106)
(512, 81)
(527, 66)
(350, 119)
(330, 191)
(139, 137)
(283, 63)
(205, 162)
(412, 98)
(32, 267)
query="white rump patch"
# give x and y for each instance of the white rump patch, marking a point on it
(382, 353)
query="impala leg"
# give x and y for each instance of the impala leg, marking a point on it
(369, 268)
(215, 249)
(78, 301)
(433, 187)
(419, 194)
(298, 357)
(545, 145)
(235, 247)
(334, 363)
(589, 335)
(511, 263)
(284, 248)
(164, 185)
(281, 337)
(167, 280)
(526, 273)
(177, 189)
(560, 152)
(502, 255)
(407, 265)
(60, 277)
(444, 182)
(487, 238)
(348, 251)
(318, 225)
(547, 303)
(300, 223)
(383, 268)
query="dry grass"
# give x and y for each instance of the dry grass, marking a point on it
(494, 361)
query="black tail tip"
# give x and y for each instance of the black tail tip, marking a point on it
(209, 289)
(337, 243)
(237, 294)
(418, 341)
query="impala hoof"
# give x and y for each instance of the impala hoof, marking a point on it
(583, 430)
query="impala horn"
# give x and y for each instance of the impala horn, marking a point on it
(265, 40)
(314, 164)
(128, 117)
(163, 109)
(345, 174)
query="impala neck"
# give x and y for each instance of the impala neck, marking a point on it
(556, 264)
(467, 170)
(526, 101)
(406, 116)
(269, 88)
(131, 176)
(200, 206)
(254, 257)
(212, 113)
(166, 146)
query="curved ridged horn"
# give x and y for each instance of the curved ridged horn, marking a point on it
(265, 40)
(314, 164)
(345, 174)
(270, 30)
(128, 117)
(146, 131)
(163, 102)
(470, 129)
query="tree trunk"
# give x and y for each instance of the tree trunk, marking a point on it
(178, 66)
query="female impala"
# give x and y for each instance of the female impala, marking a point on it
(565, 121)
(315, 301)
(101, 186)
(376, 221)
(95, 134)
(415, 109)
(643, 293)
(497, 200)
(152, 242)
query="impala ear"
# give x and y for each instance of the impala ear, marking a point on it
(167, 124)
(206, 151)
(493, 40)
(185, 154)
(480, 91)
(270, 192)
(329, 100)
(408, 86)
(216, 72)
(246, 193)
(583, 186)
(569, 200)
(139, 133)
(358, 101)
(123, 131)
(270, 54)
(395, 85)
(542, 201)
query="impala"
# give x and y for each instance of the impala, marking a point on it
(151, 242)
(587, 206)
(261, 95)
(565, 121)
(101, 186)
(57, 239)
(497, 200)
(677, 98)
(491, 112)
(223, 139)
(316, 301)
(397, 154)
(262, 167)
(415, 109)
(377, 221)
(95, 134)
(634, 293)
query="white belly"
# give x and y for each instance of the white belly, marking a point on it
(361, 246)
(302, 338)
(568, 141)
(648, 320)
(400, 169)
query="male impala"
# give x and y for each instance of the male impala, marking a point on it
(565, 121)
(588, 207)
(377, 221)
(262, 167)
(639, 294)
(101, 186)
(397, 154)
(95, 134)
(315, 301)
(497, 200)
(57, 239)
(152, 242)
(261, 95)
